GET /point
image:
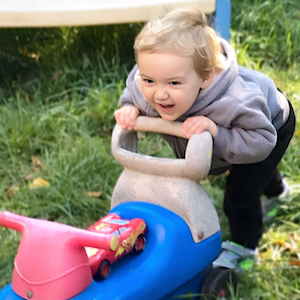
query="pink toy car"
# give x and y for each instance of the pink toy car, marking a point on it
(131, 235)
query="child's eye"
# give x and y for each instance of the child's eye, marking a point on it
(174, 83)
(148, 80)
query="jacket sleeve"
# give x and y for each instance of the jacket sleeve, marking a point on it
(249, 137)
(126, 98)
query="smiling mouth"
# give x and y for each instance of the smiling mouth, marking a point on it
(166, 106)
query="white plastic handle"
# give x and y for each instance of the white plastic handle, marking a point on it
(159, 125)
(195, 165)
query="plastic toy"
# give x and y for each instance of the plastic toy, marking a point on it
(183, 232)
(130, 234)
(51, 256)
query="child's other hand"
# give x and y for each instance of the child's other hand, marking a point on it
(126, 116)
(197, 125)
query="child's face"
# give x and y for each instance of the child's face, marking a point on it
(169, 83)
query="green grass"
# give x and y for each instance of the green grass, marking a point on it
(58, 90)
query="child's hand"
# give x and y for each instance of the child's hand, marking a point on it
(126, 116)
(197, 125)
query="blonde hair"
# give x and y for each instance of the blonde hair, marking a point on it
(185, 33)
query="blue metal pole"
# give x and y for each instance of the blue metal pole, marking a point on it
(222, 18)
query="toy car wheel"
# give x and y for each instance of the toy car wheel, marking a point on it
(103, 270)
(140, 243)
(217, 284)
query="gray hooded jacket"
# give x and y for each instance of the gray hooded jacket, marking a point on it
(245, 104)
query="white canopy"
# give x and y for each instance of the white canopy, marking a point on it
(50, 13)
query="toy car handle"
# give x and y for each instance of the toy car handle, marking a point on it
(76, 236)
(194, 166)
(159, 125)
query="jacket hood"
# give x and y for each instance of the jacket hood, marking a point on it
(215, 90)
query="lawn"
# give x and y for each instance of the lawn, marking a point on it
(59, 88)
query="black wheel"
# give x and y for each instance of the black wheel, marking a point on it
(140, 243)
(217, 284)
(103, 270)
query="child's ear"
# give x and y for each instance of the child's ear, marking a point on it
(205, 83)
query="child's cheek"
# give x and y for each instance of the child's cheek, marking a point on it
(147, 95)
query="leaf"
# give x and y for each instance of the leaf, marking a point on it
(294, 262)
(37, 164)
(281, 242)
(35, 56)
(12, 189)
(39, 182)
(93, 194)
(29, 176)
(285, 245)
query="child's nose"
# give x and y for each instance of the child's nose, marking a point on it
(161, 93)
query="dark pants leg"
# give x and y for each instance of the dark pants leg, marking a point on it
(247, 183)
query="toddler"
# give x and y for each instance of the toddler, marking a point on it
(186, 73)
